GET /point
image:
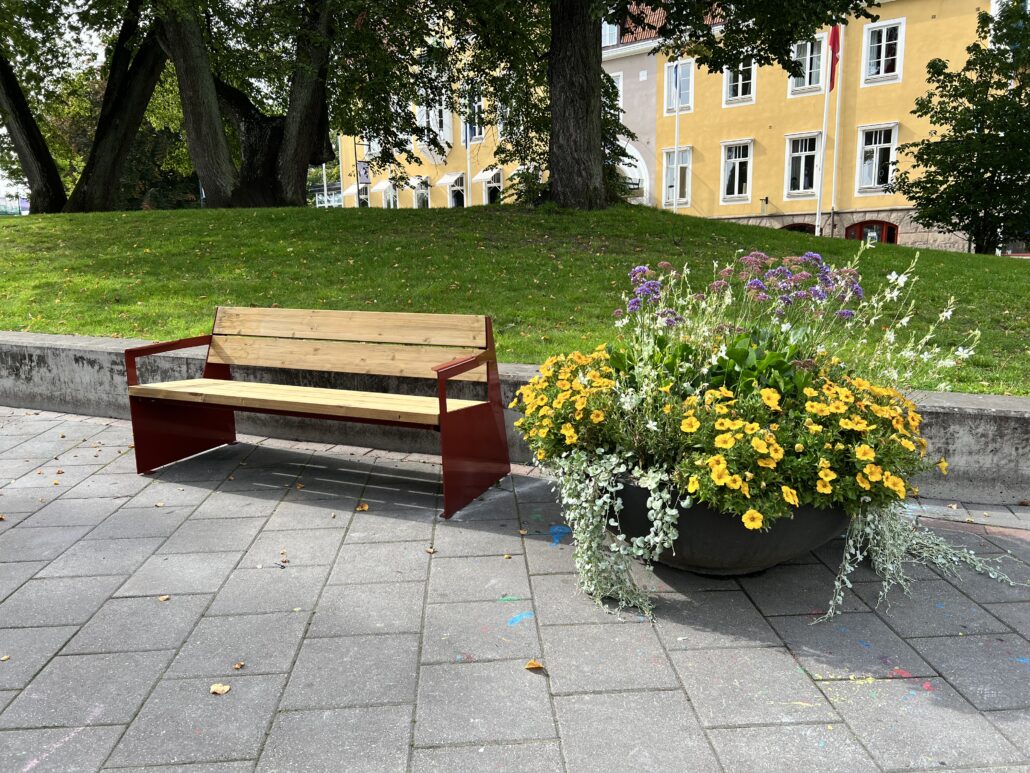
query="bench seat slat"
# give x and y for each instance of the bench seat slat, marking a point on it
(372, 326)
(338, 356)
(344, 403)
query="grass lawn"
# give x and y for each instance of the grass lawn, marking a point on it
(549, 278)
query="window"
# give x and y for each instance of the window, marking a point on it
(493, 189)
(736, 171)
(883, 52)
(456, 191)
(875, 159)
(390, 198)
(677, 177)
(810, 55)
(679, 80)
(873, 231)
(801, 228)
(437, 119)
(801, 163)
(472, 127)
(740, 85)
(617, 77)
(610, 34)
(362, 195)
(421, 194)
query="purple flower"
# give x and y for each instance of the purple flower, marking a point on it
(845, 314)
(726, 273)
(761, 297)
(755, 284)
(665, 265)
(637, 274)
(633, 305)
(618, 313)
(651, 290)
(718, 284)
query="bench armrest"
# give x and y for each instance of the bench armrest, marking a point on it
(135, 352)
(461, 365)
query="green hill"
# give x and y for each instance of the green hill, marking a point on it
(549, 278)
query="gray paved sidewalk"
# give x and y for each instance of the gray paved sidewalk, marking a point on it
(350, 647)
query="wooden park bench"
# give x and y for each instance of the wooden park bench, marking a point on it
(173, 420)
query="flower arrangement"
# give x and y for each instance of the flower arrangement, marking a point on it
(774, 386)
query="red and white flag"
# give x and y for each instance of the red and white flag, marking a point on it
(834, 45)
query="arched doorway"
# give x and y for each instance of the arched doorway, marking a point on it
(635, 170)
(873, 231)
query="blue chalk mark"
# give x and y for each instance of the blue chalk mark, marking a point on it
(516, 619)
(558, 532)
(1024, 661)
(864, 643)
(939, 605)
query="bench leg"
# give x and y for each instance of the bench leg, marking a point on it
(475, 454)
(164, 432)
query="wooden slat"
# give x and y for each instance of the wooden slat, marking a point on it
(338, 356)
(332, 402)
(464, 330)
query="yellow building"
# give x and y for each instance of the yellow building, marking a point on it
(751, 141)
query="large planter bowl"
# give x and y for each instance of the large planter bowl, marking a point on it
(711, 542)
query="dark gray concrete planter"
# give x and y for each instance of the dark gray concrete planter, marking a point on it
(711, 542)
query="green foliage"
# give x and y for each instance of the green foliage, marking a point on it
(972, 173)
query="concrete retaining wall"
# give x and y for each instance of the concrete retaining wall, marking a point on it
(986, 438)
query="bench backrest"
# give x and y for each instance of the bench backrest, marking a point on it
(379, 343)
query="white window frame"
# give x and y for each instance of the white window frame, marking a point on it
(477, 109)
(457, 185)
(363, 194)
(736, 198)
(802, 194)
(894, 77)
(617, 77)
(728, 101)
(427, 188)
(610, 34)
(667, 153)
(497, 181)
(686, 65)
(804, 91)
(877, 190)
(391, 194)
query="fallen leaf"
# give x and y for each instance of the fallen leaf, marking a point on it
(362, 507)
(507, 555)
(57, 483)
(5, 658)
(523, 532)
(220, 689)
(232, 477)
(299, 486)
(430, 550)
(239, 665)
(163, 598)
(332, 515)
(296, 609)
(3, 517)
(953, 506)
(60, 472)
(534, 665)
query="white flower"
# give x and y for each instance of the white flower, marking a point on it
(891, 295)
(963, 353)
(905, 320)
(652, 425)
(889, 336)
(621, 322)
(892, 277)
(946, 314)
(784, 327)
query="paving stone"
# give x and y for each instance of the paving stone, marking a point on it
(122, 484)
(12, 469)
(481, 702)
(1015, 725)
(306, 547)
(803, 589)
(266, 644)
(251, 504)
(180, 573)
(985, 590)
(544, 555)
(680, 581)
(6, 696)
(407, 526)
(183, 722)
(382, 562)
(974, 541)
(213, 535)
(479, 630)
(991, 672)
(89, 454)
(533, 757)
(749, 686)
(395, 491)
(347, 610)
(197, 470)
(495, 504)
(102, 556)
(478, 538)
(38, 544)
(15, 574)
(1013, 541)
(141, 522)
(854, 644)
(249, 591)
(711, 619)
(353, 671)
(57, 601)
(801, 748)
(320, 514)
(346, 486)
(267, 454)
(583, 658)
(833, 551)
(203, 767)
(656, 731)
(167, 494)
(533, 489)
(79, 690)
(371, 740)
(75, 512)
(58, 750)
(260, 478)
(934, 608)
(29, 649)
(477, 579)
(52, 474)
(124, 625)
(1016, 614)
(918, 723)
(26, 500)
(559, 601)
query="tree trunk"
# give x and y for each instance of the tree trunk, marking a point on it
(202, 118)
(45, 186)
(576, 155)
(305, 127)
(130, 85)
(260, 138)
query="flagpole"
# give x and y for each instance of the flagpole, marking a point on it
(836, 135)
(676, 152)
(325, 189)
(468, 164)
(339, 144)
(822, 142)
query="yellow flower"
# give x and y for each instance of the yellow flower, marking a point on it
(863, 481)
(823, 487)
(597, 417)
(722, 410)
(667, 408)
(725, 392)
(837, 406)
(864, 453)
(824, 464)
(734, 482)
(751, 428)
(799, 447)
(827, 475)
(942, 465)
(725, 440)
(690, 424)
(717, 461)
(874, 472)
(771, 398)
(809, 392)
(895, 484)
(819, 409)
(745, 490)
(570, 434)
(776, 451)
(759, 445)
(690, 402)
(814, 428)
(907, 444)
(767, 462)
(720, 475)
(540, 454)
(753, 519)
(723, 424)
(665, 388)
(790, 496)
(693, 485)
